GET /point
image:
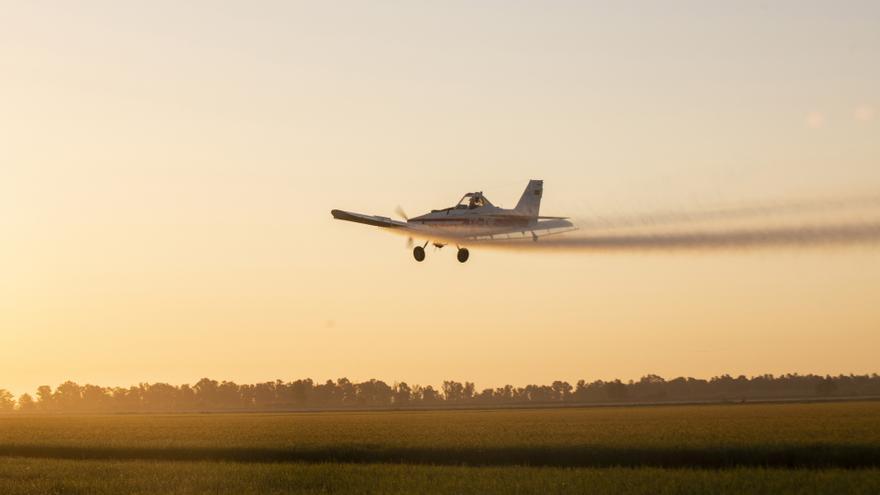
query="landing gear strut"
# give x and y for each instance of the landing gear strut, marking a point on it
(419, 253)
(463, 255)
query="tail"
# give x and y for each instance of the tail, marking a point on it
(530, 201)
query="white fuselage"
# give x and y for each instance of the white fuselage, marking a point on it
(462, 221)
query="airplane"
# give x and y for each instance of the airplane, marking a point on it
(473, 220)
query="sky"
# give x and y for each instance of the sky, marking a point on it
(167, 171)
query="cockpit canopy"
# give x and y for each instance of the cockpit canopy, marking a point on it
(472, 200)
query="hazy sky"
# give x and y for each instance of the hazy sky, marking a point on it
(167, 170)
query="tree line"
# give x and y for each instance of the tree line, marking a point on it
(211, 395)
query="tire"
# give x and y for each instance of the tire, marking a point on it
(419, 253)
(463, 255)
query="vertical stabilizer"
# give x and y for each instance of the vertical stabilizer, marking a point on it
(530, 201)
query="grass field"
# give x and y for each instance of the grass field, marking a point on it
(770, 448)
(35, 476)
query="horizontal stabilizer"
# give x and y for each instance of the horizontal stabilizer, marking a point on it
(554, 223)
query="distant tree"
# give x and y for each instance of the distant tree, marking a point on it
(228, 395)
(616, 390)
(468, 391)
(374, 393)
(301, 391)
(159, 397)
(327, 395)
(590, 392)
(264, 394)
(402, 394)
(68, 396)
(826, 387)
(126, 399)
(44, 398)
(649, 387)
(453, 391)
(503, 394)
(541, 393)
(26, 403)
(95, 398)
(346, 391)
(247, 393)
(429, 395)
(134, 398)
(186, 398)
(580, 391)
(458, 392)
(7, 402)
(487, 396)
(561, 390)
(382, 393)
(206, 392)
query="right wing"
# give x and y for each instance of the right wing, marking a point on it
(373, 220)
(541, 228)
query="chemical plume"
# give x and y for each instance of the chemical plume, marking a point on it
(699, 239)
(762, 211)
(842, 221)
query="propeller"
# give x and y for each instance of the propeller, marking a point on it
(401, 213)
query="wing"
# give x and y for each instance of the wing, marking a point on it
(541, 228)
(507, 215)
(373, 220)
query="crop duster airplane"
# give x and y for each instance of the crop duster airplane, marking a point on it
(473, 220)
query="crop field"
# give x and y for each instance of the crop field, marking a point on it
(770, 448)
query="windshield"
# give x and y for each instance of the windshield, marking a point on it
(471, 201)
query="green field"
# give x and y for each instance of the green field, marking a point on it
(771, 448)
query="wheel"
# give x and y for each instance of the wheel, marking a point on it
(419, 253)
(463, 255)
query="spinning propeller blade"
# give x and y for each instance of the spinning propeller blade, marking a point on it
(401, 213)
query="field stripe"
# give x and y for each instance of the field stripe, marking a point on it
(781, 456)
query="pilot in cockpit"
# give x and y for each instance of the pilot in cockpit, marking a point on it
(476, 201)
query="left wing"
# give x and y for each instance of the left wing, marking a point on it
(373, 220)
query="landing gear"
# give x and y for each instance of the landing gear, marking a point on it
(419, 253)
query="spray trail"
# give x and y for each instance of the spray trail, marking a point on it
(842, 221)
(735, 212)
(836, 222)
(733, 238)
